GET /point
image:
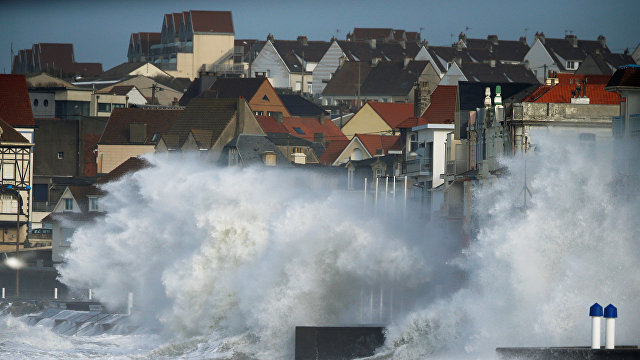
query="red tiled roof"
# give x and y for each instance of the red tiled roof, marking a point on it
(375, 142)
(561, 93)
(567, 79)
(332, 151)
(177, 18)
(15, 106)
(58, 56)
(271, 125)
(443, 105)
(211, 21)
(371, 33)
(9, 134)
(392, 113)
(310, 126)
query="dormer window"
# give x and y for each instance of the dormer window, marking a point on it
(572, 65)
(93, 204)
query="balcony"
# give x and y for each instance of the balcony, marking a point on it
(226, 69)
(419, 167)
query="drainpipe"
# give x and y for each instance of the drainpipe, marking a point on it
(595, 311)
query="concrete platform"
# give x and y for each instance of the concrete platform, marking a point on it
(569, 353)
(337, 343)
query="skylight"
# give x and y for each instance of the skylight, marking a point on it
(298, 130)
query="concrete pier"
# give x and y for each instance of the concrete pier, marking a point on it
(569, 353)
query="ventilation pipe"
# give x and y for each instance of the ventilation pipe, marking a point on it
(610, 314)
(595, 311)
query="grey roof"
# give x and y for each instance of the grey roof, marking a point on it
(483, 72)
(197, 86)
(565, 49)
(345, 80)
(293, 52)
(206, 114)
(121, 71)
(362, 51)
(501, 50)
(392, 78)
(447, 54)
(299, 106)
(252, 147)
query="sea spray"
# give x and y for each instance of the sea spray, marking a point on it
(226, 252)
(534, 270)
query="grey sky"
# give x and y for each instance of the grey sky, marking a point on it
(100, 30)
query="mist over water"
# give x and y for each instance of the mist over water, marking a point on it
(224, 262)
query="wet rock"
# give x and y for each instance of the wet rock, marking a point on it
(21, 308)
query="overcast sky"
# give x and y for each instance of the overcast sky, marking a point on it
(100, 30)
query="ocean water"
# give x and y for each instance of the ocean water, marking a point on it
(224, 263)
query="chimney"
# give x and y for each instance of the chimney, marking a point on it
(463, 37)
(421, 98)
(493, 39)
(375, 61)
(403, 43)
(302, 40)
(407, 60)
(540, 36)
(270, 37)
(572, 39)
(458, 60)
(318, 137)
(241, 114)
(372, 43)
(278, 116)
(523, 39)
(137, 133)
(492, 63)
(603, 40)
(626, 51)
(527, 65)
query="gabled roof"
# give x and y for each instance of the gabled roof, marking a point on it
(561, 93)
(501, 50)
(15, 106)
(483, 72)
(122, 90)
(440, 111)
(251, 148)
(363, 51)
(270, 125)
(392, 113)
(55, 55)
(446, 54)
(291, 51)
(44, 80)
(332, 151)
(565, 49)
(392, 78)
(204, 114)
(345, 80)
(371, 33)
(379, 142)
(307, 127)
(9, 134)
(147, 40)
(233, 88)
(117, 129)
(123, 70)
(81, 195)
(627, 76)
(211, 21)
(130, 165)
(197, 86)
(299, 106)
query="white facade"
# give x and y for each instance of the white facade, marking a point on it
(325, 69)
(540, 60)
(269, 62)
(453, 75)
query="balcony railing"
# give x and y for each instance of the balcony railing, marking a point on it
(43, 206)
(226, 69)
(419, 166)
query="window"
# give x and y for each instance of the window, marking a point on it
(268, 72)
(265, 98)
(379, 172)
(104, 107)
(68, 204)
(45, 103)
(93, 204)
(299, 131)
(258, 113)
(35, 102)
(9, 204)
(414, 142)
(298, 150)
(572, 65)
(309, 88)
(60, 155)
(115, 106)
(8, 171)
(379, 152)
(298, 85)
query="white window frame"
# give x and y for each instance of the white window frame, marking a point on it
(8, 171)
(68, 204)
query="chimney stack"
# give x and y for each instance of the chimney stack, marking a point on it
(540, 36)
(603, 41)
(421, 98)
(493, 39)
(572, 39)
(372, 43)
(492, 63)
(303, 41)
(523, 39)
(278, 116)
(406, 62)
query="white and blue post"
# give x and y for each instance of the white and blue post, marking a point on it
(595, 311)
(610, 314)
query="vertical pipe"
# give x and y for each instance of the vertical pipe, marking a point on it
(90, 295)
(55, 293)
(595, 311)
(365, 194)
(375, 202)
(381, 304)
(386, 191)
(371, 306)
(391, 304)
(404, 212)
(361, 304)
(3, 293)
(129, 303)
(610, 314)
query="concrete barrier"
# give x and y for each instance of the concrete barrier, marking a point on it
(337, 343)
